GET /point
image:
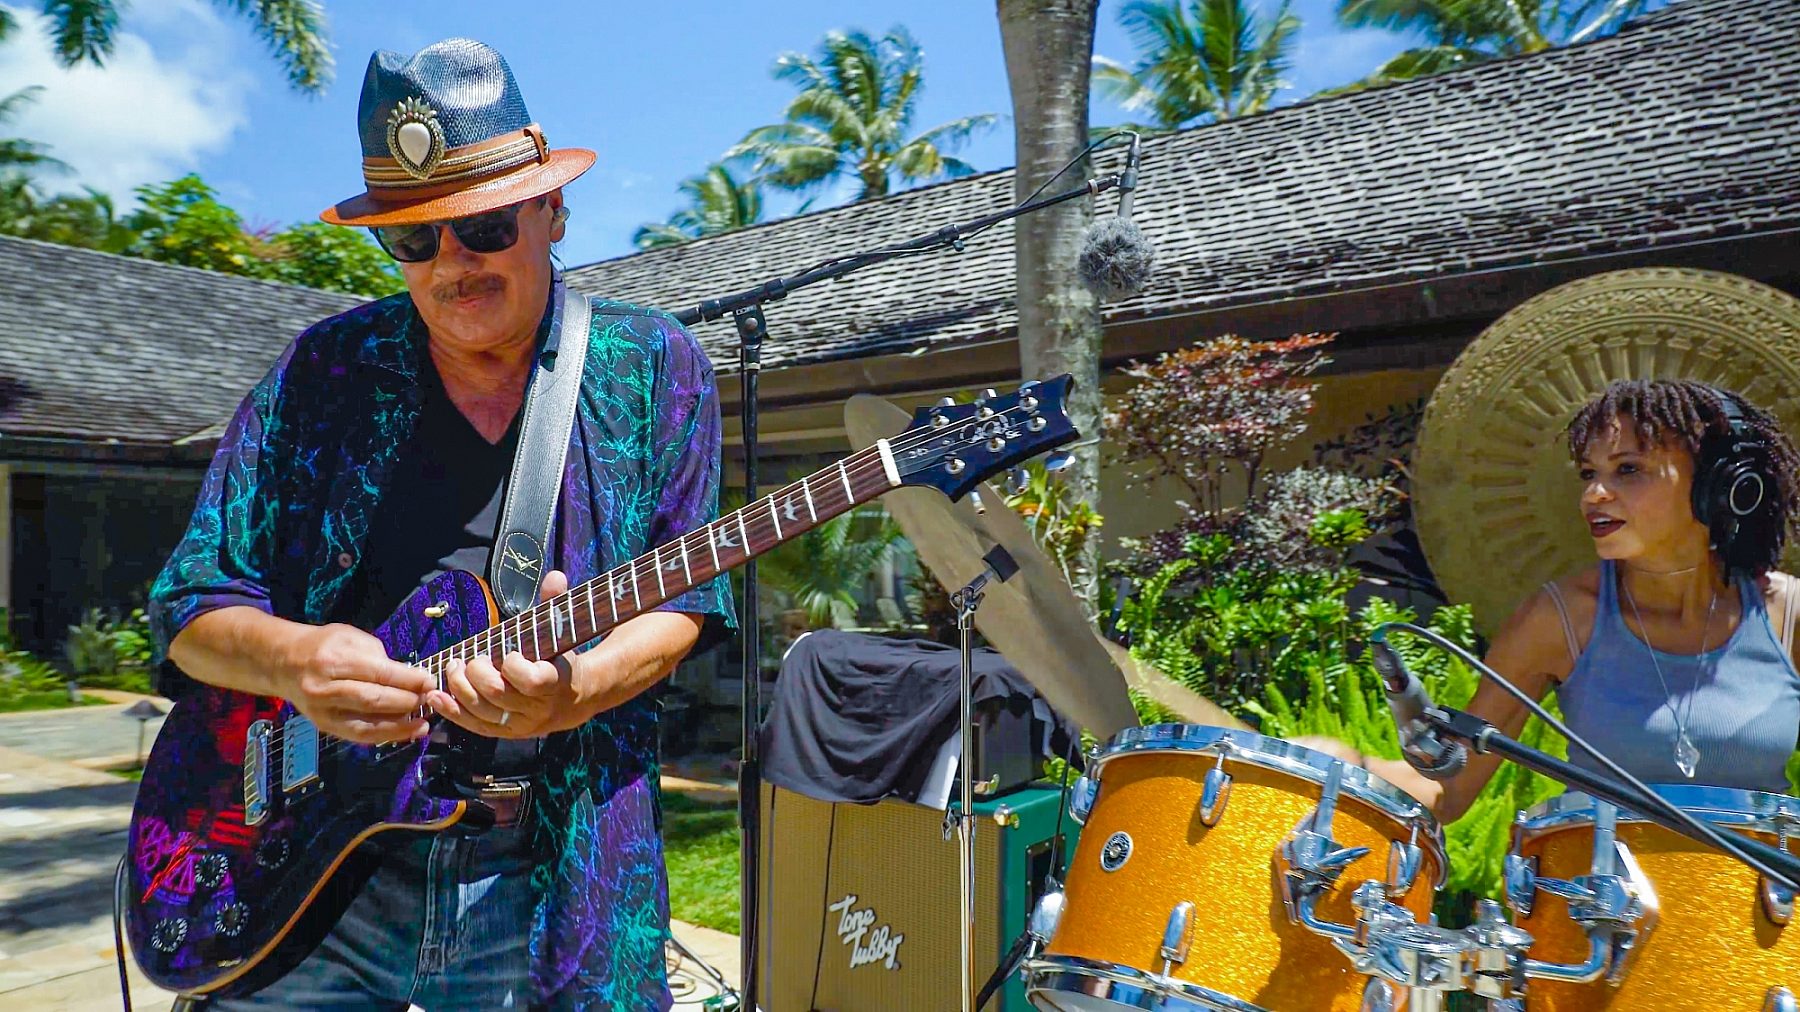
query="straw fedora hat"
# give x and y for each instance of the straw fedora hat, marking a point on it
(445, 134)
(1496, 499)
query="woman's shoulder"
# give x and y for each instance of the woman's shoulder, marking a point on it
(1552, 624)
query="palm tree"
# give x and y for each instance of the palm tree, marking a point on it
(1211, 60)
(823, 568)
(16, 153)
(1048, 46)
(82, 31)
(1463, 32)
(852, 116)
(717, 202)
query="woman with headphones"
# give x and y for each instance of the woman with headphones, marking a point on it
(1675, 654)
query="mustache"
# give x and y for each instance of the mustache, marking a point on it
(466, 286)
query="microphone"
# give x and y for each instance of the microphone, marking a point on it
(1419, 742)
(1115, 257)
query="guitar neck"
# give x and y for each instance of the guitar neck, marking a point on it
(562, 623)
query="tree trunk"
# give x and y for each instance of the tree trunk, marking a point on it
(1049, 45)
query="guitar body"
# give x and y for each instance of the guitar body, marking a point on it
(234, 871)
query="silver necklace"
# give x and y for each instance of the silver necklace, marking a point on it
(1687, 755)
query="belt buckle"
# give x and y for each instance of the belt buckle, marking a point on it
(508, 800)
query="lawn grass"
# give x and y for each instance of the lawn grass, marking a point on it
(700, 844)
(42, 699)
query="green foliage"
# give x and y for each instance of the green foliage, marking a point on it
(1207, 61)
(823, 568)
(183, 222)
(1461, 33)
(108, 653)
(852, 119)
(718, 202)
(336, 259)
(1061, 523)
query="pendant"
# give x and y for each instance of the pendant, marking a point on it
(1687, 757)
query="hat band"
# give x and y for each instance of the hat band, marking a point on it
(460, 167)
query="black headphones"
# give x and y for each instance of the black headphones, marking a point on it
(1731, 478)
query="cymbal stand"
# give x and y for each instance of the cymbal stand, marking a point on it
(998, 565)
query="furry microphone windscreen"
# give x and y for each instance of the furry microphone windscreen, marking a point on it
(1116, 259)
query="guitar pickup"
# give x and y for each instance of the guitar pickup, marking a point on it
(299, 754)
(256, 772)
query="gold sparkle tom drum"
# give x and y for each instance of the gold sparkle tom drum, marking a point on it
(1216, 871)
(1625, 914)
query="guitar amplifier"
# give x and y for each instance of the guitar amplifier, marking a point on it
(860, 903)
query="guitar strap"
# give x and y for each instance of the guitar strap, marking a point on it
(516, 566)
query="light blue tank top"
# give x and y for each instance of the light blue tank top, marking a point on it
(1740, 702)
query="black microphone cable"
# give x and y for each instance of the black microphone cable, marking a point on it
(1722, 841)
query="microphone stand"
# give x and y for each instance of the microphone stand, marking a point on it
(745, 308)
(1485, 737)
(997, 564)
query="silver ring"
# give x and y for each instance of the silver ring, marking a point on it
(505, 715)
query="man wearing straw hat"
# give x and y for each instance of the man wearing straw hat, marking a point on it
(374, 455)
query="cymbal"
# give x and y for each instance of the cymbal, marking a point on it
(1033, 619)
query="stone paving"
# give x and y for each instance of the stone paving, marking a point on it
(62, 827)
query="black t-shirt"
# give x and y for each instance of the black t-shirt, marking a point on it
(439, 511)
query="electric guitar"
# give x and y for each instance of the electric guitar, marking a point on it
(247, 811)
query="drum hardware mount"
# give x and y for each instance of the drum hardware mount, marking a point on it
(1617, 912)
(1309, 862)
(1405, 859)
(1780, 999)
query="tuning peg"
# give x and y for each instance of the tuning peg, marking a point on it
(989, 395)
(1017, 481)
(946, 402)
(1058, 460)
(975, 501)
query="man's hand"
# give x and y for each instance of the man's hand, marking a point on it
(519, 699)
(343, 680)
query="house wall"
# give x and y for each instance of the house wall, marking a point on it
(85, 537)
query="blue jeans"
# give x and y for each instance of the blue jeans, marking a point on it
(443, 923)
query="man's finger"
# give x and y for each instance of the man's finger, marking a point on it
(368, 697)
(457, 680)
(531, 678)
(555, 583)
(400, 676)
(367, 729)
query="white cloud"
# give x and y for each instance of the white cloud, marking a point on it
(148, 115)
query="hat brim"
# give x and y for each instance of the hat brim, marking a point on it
(536, 179)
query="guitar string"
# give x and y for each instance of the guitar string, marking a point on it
(438, 663)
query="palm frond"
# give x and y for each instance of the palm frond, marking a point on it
(81, 31)
(954, 134)
(296, 35)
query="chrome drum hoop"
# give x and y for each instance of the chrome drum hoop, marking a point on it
(1296, 761)
(1125, 987)
(1725, 807)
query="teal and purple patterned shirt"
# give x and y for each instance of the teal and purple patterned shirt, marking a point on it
(282, 522)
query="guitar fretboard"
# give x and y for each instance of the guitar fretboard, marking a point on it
(562, 623)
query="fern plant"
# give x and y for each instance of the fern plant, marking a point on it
(823, 568)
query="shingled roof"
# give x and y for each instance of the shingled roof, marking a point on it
(101, 348)
(1679, 129)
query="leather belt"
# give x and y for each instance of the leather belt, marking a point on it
(508, 799)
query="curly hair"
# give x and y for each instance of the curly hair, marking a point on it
(1692, 415)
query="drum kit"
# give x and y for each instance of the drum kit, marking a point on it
(1219, 870)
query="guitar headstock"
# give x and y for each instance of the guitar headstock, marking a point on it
(954, 447)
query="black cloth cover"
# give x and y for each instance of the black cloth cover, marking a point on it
(860, 718)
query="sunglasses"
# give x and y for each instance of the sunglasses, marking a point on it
(487, 232)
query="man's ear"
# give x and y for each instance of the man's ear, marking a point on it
(559, 216)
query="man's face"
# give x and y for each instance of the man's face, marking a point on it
(483, 302)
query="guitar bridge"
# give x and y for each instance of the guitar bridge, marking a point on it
(256, 772)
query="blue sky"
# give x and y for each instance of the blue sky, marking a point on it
(658, 89)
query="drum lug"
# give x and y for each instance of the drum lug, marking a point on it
(1780, 999)
(1404, 862)
(1521, 883)
(1045, 917)
(1777, 900)
(1178, 934)
(1215, 794)
(1081, 798)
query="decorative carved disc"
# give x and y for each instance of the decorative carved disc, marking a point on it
(1497, 500)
